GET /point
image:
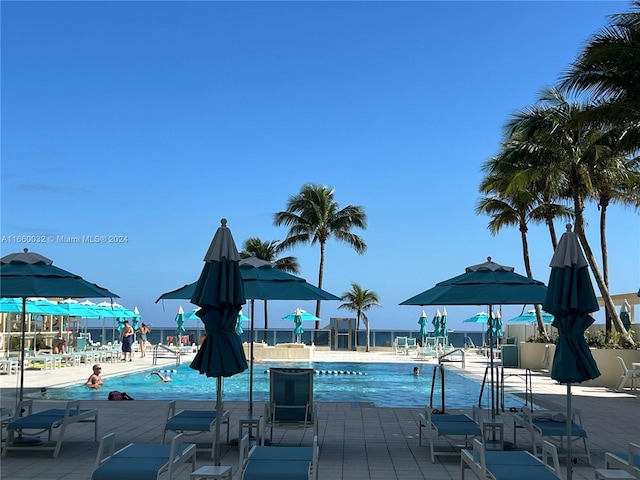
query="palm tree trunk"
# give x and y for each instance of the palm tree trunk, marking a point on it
(604, 291)
(266, 322)
(527, 266)
(605, 260)
(320, 277)
(552, 233)
(366, 322)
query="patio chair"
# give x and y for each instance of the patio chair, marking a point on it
(552, 426)
(46, 421)
(627, 375)
(510, 465)
(260, 462)
(412, 346)
(140, 461)
(447, 426)
(628, 461)
(290, 400)
(193, 422)
(400, 345)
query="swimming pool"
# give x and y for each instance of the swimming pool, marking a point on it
(384, 384)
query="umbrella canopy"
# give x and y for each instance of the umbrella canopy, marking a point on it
(14, 305)
(73, 308)
(422, 321)
(303, 314)
(29, 274)
(530, 317)
(570, 299)
(220, 294)
(625, 316)
(485, 284)
(193, 314)
(481, 317)
(136, 318)
(180, 321)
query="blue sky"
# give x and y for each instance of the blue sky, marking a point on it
(153, 120)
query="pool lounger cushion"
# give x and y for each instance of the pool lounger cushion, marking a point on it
(450, 426)
(286, 463)
(193, 422)
(138, 461)
(278, 470)
(47, 421)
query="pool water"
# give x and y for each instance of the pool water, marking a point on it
(384, 384)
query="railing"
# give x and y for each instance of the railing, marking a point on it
(449, 354)
(162, 351)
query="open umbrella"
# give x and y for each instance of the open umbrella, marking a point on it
(180, 325)
(488, 284)
(530, 317)
(29, 274)
(220, 294)
(570, 299)
(422, 321)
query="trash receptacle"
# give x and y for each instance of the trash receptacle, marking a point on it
(509, 355)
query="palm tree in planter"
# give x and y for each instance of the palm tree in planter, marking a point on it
(360, 300)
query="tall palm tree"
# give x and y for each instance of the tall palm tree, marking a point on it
(313, 216)
(267, 250)
(360, 300)
(553, 126)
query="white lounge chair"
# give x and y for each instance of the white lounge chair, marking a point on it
(627, 375)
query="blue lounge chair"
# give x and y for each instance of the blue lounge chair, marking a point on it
(400, 345)
(193, 422)
(46, 421)
(139, 461)
(510, 465)
(448, 426)
(628, 461)
(278, 463)
(552, 426)
(290, 400)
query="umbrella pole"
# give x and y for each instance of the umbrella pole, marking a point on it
(216, 445)
(493, 410)
(251, 360)
(569, 423)
(22, 345)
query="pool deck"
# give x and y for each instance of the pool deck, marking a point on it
(358, 440)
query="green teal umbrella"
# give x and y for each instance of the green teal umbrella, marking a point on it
(29, 274)
(14, 305)
(494, 330)
(241, 318)
(443, 323)
(530, 317)
(180, 324)
(422, 321)
(136, 318)
(570, 299)
(625, 316)
(481, 317)
(220, 295)
(436, 324)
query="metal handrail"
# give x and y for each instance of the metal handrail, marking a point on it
(444, 355)
(164, 349)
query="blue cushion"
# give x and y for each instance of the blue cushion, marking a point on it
(282, 453)
(558, 429)
(528, 472)
(270, 470)
(130, 469)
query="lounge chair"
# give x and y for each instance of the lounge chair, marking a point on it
(628, 461)
(510, 465)
(140, 461)
(448, 426)
(47, 421)
(412, 346)
(400, 345)
(627, 375)
(193, 422)
(290, 400)
(262, 463)
(552, 426)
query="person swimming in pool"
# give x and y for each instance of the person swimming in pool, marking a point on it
(95, 380)
(160, 376)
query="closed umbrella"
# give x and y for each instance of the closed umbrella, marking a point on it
(179, 325)
(570, 299)
(422, 321)
(297, 319)
(136, 318)
(443, 323)
(436, 323)
(241, 318)
(29, 274)
(219, 293)
(625, 316)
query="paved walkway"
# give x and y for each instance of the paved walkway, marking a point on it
(358, 440)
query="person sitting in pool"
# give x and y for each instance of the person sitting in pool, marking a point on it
(416, 371)
(95, 381)
(160, 376)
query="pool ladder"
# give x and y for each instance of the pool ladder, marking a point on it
(440, 368)
(162, 351)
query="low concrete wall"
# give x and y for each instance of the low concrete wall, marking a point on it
(284, 351)
(535, 356)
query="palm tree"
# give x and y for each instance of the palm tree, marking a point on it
(313, 216)
(360, 300)
(553, 126)
(267, 250)
(609, 69)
